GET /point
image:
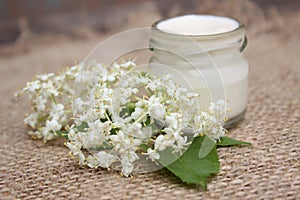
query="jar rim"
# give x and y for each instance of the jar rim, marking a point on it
(240, 25)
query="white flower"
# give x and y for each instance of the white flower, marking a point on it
(127, 168)
(163, 141)
(92, 162)
(48, 89)
(47, 134)
(32, 120)
(101, 104)
(48, 131)
(75, 149)
(123, 143)
(157, 111)
(211, 123)
(128, 64)
(45, 77)
(95, 135)
(81, 158)
(98, 126)
(173, 120)
(219, 109)
(127, 160)
(105, 159)
(137, 113)
(147, 133)
(50, 94)
(153, 84)
(57, 111)
(129, 156)
(72, 135)
(53, 125)
(78, 106)
(153, 155)
(109, 78)
(33, 86)
(134, 130)
(87, 116)
(40, 102)
(181, 142)
(35, 134)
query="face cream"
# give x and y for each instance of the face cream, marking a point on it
(198, 25)
(204, 53)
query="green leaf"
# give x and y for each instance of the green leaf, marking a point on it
(227, 142)
(143, 147)
(128, 109)
(131, 107)
(82, 127)
(43, 118)
(207, 145)
(189, 167)
(62, 133)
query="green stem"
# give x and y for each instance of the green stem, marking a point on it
(53, 99)
(140, 118)
(107, 117)
(148, 91)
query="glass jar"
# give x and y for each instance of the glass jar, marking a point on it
(207, 60)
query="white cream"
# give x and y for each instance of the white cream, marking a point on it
(198, 25)
(213, 65)
(234, 88)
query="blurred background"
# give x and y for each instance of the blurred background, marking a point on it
(26, 25)
(40, 36)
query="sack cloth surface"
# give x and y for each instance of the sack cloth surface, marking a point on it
(269, 169)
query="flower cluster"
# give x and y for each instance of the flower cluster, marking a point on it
(120, 113)
(51, 97)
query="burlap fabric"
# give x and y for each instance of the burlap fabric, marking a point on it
(267, 170)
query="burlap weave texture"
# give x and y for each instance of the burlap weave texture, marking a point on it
(269, 169)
